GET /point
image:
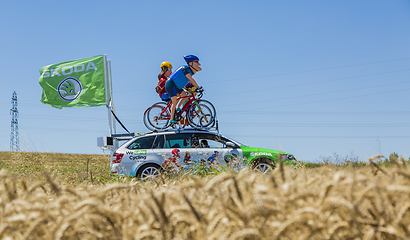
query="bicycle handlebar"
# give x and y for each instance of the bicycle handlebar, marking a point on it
(200, 91)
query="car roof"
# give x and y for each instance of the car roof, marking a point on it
(177, 131)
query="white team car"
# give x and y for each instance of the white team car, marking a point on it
(143, 156)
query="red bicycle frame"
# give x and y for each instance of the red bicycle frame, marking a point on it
(187, 104)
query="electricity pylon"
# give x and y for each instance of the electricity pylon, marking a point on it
(14, 136)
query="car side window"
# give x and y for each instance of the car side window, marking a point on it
(159, 142)
(210, 141)
(142, 143)
(178, 141)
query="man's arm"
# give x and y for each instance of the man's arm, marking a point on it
(192, 80)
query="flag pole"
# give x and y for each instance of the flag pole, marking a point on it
(113, 122)
(110, 104)
(108, 98)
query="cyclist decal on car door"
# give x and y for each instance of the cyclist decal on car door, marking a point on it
(166, 144)
(171, 163)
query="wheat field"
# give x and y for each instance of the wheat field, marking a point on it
(329, 202)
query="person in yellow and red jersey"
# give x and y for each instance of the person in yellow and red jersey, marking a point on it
(166, 71)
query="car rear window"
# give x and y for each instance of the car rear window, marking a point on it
(142, 143)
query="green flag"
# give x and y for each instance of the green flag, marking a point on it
(78, 83)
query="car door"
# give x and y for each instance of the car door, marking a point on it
(213, 147)
(166, 143)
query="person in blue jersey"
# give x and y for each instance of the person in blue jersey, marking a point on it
(179, 79)
(213, 160)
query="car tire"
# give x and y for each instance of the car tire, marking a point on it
(264, 165)
(150, 169)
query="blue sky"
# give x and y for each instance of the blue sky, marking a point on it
(311, 78)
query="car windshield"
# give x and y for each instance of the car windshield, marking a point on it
(234, 141)
(211, 140)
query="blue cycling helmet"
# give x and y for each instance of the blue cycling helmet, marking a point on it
(190, 58)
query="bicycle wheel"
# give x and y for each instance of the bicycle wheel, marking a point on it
(157, 117)
(145, 118)
(209, 105)
(200, 116)
(146, 122)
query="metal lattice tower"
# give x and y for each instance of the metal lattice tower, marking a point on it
(14, 136)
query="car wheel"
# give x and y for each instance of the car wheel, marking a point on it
(264, 166)
(149, 172)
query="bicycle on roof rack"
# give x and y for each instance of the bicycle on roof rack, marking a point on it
(195, 112)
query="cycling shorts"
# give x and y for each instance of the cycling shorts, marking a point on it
(171, 88)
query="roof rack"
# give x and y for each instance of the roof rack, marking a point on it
(123, 135)
(214, 127)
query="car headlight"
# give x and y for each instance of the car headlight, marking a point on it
(289, 157)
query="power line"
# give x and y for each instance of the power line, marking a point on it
(82, 119)
(254, 110)
(330, 137)
(317, 113)
(303, 71)
(272, 125)
(313, 70)
(321, 81)
(323, 93)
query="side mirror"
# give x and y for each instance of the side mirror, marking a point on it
(230, 145)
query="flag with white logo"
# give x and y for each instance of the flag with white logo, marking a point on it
(78, 83)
